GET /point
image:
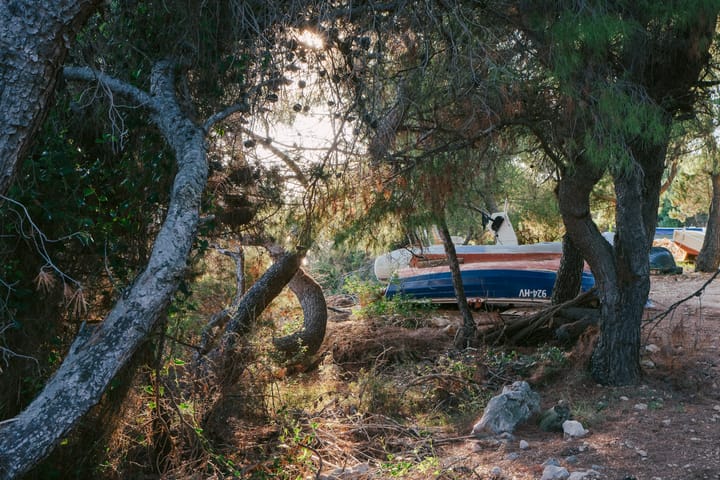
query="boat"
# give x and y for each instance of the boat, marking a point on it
(501, 273)
(667, 233)
(516, 282)
(687, 243)
(505, 273)
(506, 248)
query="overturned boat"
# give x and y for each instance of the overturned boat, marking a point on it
(506, 248)
(504, 273)
(513, 282)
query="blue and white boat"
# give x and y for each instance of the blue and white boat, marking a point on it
(525, 282)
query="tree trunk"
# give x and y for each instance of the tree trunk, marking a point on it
(622, 271)
(307, 341)
(569, 275)
(708, 260)
(616, 357)
(466, 335)
(224, 361)
(34, 39)
(97, 354)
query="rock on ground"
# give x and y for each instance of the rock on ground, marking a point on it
(505, 411)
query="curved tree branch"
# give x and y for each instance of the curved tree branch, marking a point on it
(224, 361)
(96, 355)
(308, 339)
(119, 87)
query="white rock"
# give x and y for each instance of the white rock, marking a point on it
(642, 453)
(716, 408)
(524, 445)
(652, 348)
(667, 422)
(503, 412)
(624, 398)
(574, 429)
(640, 406)
(553, 472)
(648, 364)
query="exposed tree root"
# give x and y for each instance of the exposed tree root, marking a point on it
(566, 321)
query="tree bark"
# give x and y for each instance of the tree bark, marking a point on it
(34, 40)
(616, 357)
(224, 361)
(708, 260)
(307, 341)
(97, 354)
(466, 335)
(569, 275)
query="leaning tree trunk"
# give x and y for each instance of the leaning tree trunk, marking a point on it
(97, 354)
(708, 260)
(466, 335)
(223, 359)
(34, 40)
(307, 341)
(569, 276)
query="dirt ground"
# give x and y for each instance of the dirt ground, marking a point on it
(668, 427)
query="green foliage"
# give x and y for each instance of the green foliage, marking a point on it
(626, 117)
(514, 363)
(690, 193)
(331, 266)
(399, 467)
(370, 295)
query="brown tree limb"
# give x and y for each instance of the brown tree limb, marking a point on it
(308, 339)
(224, 361)
(518, 329)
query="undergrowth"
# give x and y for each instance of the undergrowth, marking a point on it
(382, 415)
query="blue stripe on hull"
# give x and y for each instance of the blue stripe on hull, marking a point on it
(526, 285)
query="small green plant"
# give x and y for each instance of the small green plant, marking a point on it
(397, 467)
(374, 304)
(366, 291)
(296, 440)
(552, 355)
(588, 413)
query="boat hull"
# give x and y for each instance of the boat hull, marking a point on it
(688, 242)
(483, 284)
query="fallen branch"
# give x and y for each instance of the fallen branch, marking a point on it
(521, 328)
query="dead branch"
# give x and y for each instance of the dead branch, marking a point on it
(517, 329)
